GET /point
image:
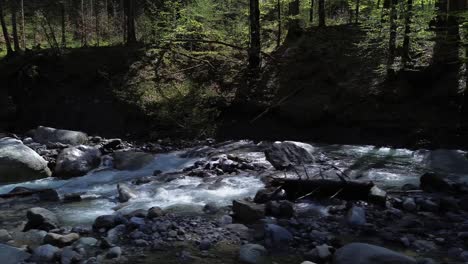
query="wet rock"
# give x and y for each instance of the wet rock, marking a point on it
(20, 163)
(356, 216)
(49, 195)
(377, 195)
(277, 237)
(247, 212)
(155, 212)
(361, 253)
(125, 193)
(252, 254)
(85, 243)
(136, 222)
(45, 253)
(241, 230)
(114, 252)
(69, 256)
(210, 208)
(77, 161)
(61, 240)
(142, 213)
(112, 144)
(116, 233)
(205, 244)
(281, 209)
(12, 255)
(447, 160)
(4, 236)
(47, 135)
(105, 222)
(428, 205)
(40, 218)
(289, 153)
(409, 205)
(72, 197)
(141, 243)
(433, 182)
(131, 160)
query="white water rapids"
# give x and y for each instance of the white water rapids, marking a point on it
(387, 167)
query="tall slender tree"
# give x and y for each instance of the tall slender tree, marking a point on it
(130, 18)
(278, 9)
(255, 45)
(14, 25)
(5, 30)
(406, 38)
(63, 22)
(311, 11)
(393, 36)
(321, 13)
(294, 13)
(23, 26)
(357, 12)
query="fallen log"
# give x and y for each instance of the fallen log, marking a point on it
(26, 192)
(324, 188)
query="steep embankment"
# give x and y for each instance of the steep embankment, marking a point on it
(332, 85)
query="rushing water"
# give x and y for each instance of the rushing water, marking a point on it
(387, 167)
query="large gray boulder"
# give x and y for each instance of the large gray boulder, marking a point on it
(77, 161)
(12, 255)
(47, 135)
(131, 160)
(290, 153)
(446, 160)
(361, 253)
(40, 218)
(247, 212)
(20, 163)
(46, 254)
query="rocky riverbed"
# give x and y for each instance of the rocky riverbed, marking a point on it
(67, 197)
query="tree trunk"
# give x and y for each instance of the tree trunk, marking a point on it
(23, 26)
(294, 22)
(311, 12)
(278, 39)
(131, 33)
(406, 38)
(255, 48)
(64, 38)
(357, 12)
(96, 13)
(5, 30)
(14, 25)
(393, 35)
(321, 11)
(84, 33)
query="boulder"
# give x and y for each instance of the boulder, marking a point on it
(32, 238)
(12, 255)
(131, 160)
(40, 218)
(77, 161)
(361, 253)
(105, 222)
(289, 153)
(4, 236)
(46, 135)
(247, 212)
(114, 252)
(20, 163)
(69, 256)
(155, 212)
(125, 193)
(61, 240)
(45, 254)
(252, 254)
(447, 160)
(435, 182)
(277, 237)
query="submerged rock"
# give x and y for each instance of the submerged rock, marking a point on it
(114, 252)
(434, 182)
(277, 237)
(125, 193)
(20, 163)
(356, 216)
(42, 219)
(47, 135)
(252, 254)
(361, 253)
(12, 255)
(77, 161)
(131, 160)
(289, 153)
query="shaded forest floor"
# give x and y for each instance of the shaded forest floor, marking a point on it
(322, 86)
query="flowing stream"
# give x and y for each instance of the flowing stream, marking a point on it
(389, 168)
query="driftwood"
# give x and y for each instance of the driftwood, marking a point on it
(324, 188)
